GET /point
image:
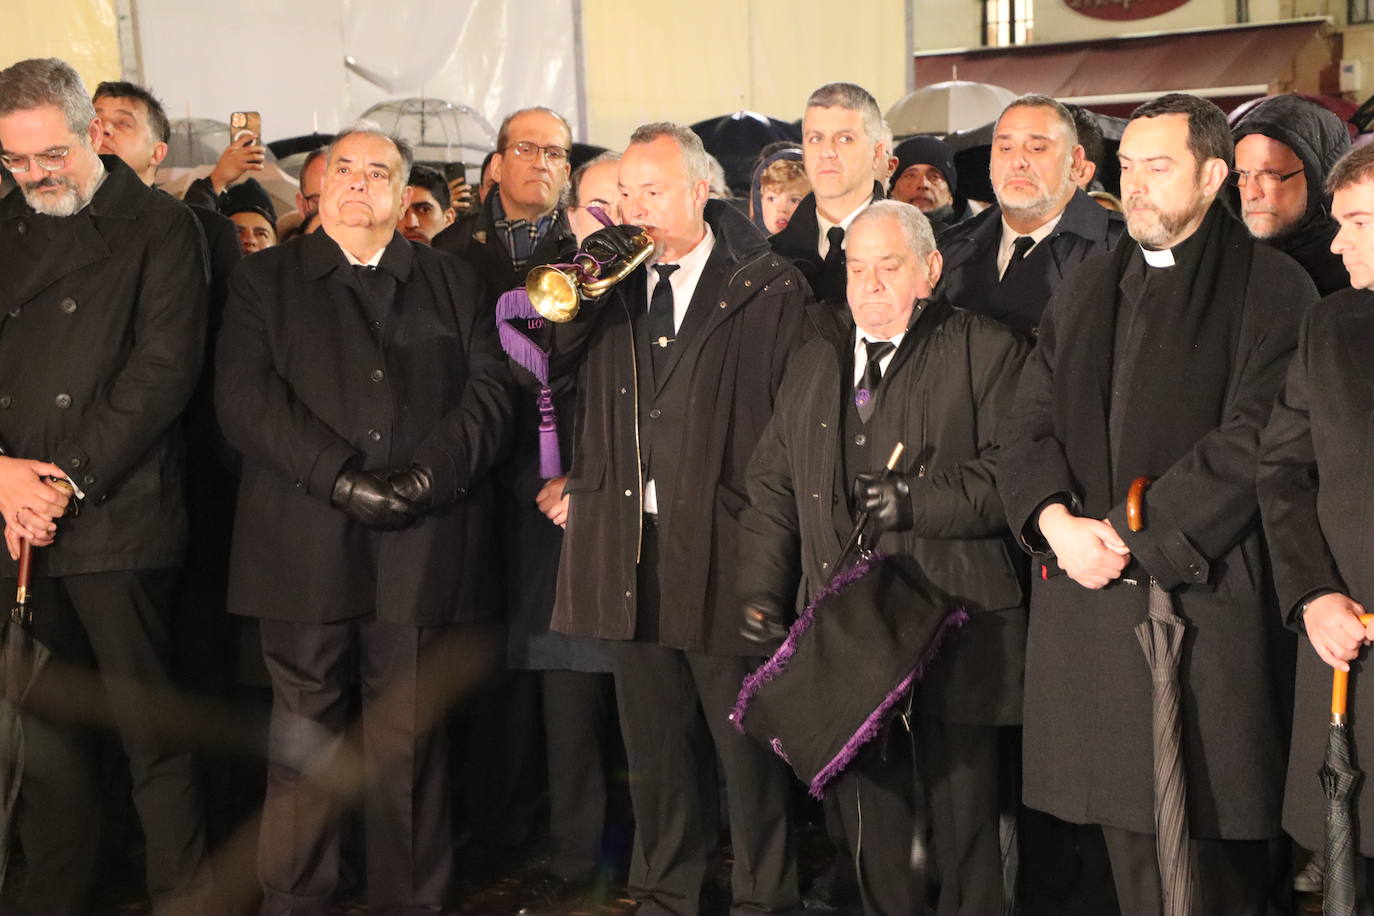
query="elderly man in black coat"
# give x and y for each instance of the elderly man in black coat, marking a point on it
(1314, 474)
(845, 158)
(1161, 360)
(947, 377)
(364, 386)
(1284, 148)
(679, 367)
(102, 320)
(1008, 260)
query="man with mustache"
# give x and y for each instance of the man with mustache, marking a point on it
(102, 324)
(1006, 261)
(1284, 148)
(846, 161)
(925, 177)
(1161, 359)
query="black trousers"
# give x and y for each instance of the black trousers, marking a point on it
(958, 769)
(313, 756)
(110, 634)
(1235, 877)
(674, 715)
(577, 718)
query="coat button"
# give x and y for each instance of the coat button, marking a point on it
(622, 391)
(5, 400)
(723, 303)
(628, 493)
(375, 325)
(14, 312)
(655, 414)
(460, 493)
(1194, 569)
(68, 305)
(63, 400)
(23, 227)
(88, 480)
(861, 439)
(74, 461)
(300, 485)
(374, 435)
(748, 282)
(377, 375)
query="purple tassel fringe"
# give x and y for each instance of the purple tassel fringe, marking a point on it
(515, 304)
(871, 725)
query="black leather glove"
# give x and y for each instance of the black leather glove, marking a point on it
(612, 243)
(369, 499)
(886, 499)
(414, 484)
(762, 621)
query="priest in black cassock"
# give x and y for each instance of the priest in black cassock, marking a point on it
(1161, 360)
(903, 365)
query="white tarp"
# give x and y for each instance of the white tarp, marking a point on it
(287, 60)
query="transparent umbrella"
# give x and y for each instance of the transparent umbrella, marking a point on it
(439, 131)
(198, 141)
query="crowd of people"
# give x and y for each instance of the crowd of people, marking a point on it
(452, 517)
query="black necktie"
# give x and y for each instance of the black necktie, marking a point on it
(660, 326)
(832, 271)
(1019, 249)
(866, 393)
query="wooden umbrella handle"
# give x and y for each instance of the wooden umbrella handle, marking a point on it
(1340, 681)
(1135, 504)
(25, 570)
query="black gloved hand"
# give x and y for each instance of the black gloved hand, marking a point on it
(886, 499)
(369, 499)
(762, 621)
(612, 243)
(414, 484)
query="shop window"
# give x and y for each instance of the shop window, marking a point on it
(1012, 22)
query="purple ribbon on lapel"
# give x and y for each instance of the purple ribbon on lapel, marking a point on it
(515, 306)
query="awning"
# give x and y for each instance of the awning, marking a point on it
(1230, 61)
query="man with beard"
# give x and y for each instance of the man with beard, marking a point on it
(360, 377)
(104, 305)
(925, 177)
(1161, 360)
(522, 223)
(846, 161)
(1315, 453)
(678, 367)
(1284, 148)
(947, 377)
(1009, 259)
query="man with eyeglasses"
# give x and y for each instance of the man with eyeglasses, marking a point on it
(102, 324)
(522, 224)
(1285, 146)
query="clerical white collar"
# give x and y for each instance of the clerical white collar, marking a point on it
(1158, 257)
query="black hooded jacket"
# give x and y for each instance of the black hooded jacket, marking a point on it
(1318, 138)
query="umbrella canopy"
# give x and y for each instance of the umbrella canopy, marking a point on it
(198, 141)
(280, 186)
(942, 108)
(1161, 639)
(973, 156)
(1339, 779)
(438, 131)
(736, 139)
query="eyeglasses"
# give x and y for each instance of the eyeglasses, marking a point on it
(1267, 179)
(526, 150)
(49, 161)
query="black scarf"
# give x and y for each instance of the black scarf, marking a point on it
(1178, 388)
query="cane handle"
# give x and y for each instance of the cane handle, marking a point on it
(1135, 504)
(1340, 682)
(896, 456)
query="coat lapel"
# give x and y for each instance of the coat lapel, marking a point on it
(699, 313)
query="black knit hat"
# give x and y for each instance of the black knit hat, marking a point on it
(248, 197)
(926, 151)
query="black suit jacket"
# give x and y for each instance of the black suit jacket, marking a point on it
(102, 321)
(798, 242)
(307, 383)
(970, 278)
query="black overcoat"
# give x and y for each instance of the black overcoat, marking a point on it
(948, 385)
(745, 319)
(1316, 487)
(970, 278)
(1087, 743)
(798, 242)
(102, 323)
(304, 384)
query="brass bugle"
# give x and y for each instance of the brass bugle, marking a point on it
(557, 290)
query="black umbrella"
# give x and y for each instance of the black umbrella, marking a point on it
(1339, 780)
(1161, 639)
(736, 139)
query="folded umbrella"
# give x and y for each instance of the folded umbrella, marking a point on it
(1339, 780)
(1161, 639)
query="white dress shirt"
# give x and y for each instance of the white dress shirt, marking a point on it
(1010, 235)
(823, 241)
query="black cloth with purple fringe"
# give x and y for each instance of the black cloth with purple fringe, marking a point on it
(861, 645)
